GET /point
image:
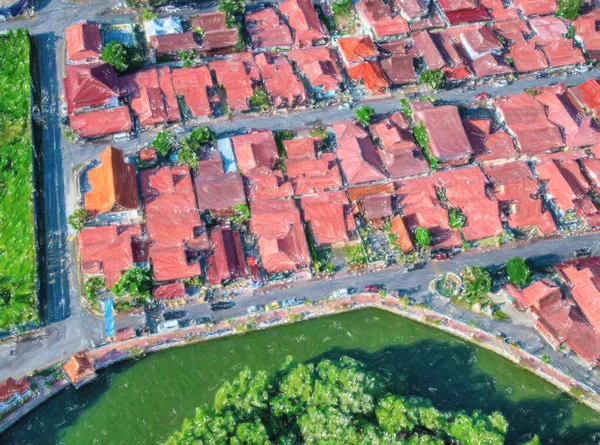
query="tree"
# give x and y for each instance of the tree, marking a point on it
(148, 14)
(199, 32)
(420, 133)
(477, 281)
(188, 58)
(135, 282)
(331, 402)
(365, 115)
(203, 135)
(260, 100)
(456, 219)
(77, 219)
(569, 9)
(242, 213)
(518, 272)
(233, 9)
(164, 142)
(122, 57)
(187, 153)
(433, 78)
(423, 237)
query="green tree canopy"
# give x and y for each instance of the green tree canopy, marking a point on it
(365, 115)
(77, 218)
(203, 135)
(423, 237)
(433, 78)
(260, 100)
(164, 142)
(135, 282)
(242, 213)
(122, 57)
(477, 281)
(569, 9)
(518, 272)
(233, 9)
(332, 402)
(187, 153)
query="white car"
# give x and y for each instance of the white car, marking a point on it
(256, 309)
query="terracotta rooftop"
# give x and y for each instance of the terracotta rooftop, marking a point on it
(169, 291)
(83, 41)
(267, 30)
(519, 203)
(559, 50)
(411, 10)
(284, 87)
(399, 66)
(238, 75)
(89, 86)
(589, 32)
(109, 250)
(10, 387)
(281, 241)
(375, 200)
(255, 149)
(371, 75)
(194, 85)
(488, 145)
(583, 278)
(354, 50)
(526, 119)
(536, 7)
(525, 54)
(381, 19)
(226, 261)
(164, 44)
(439, 53)
(264, 184)
(329, 217)
(358, 156)
(399, 153)
(113, 184)
(217, 191)
(319, 66)
(98, 123)
(536, 296)
(304, 22)
(401, 234)
(78, 368)
(460, 11)
(217, 37)
(588, 95)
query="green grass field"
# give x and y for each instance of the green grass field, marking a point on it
(17, 246)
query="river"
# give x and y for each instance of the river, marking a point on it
(144, 401)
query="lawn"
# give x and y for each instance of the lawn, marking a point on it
(17, 246)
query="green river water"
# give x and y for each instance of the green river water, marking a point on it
(144, 401)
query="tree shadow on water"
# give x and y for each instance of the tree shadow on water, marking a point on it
(449, 376)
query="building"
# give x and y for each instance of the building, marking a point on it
(170, 291)
(113, 184)
(13, 393)
(329, 217)
(281, 240)
(461, 11)
(108, 251)
(375, 201)
(588, 95)
(268, 30)
(319, 66)
(536, 7)
(103, 122)
(439, 53)
(84, 42)
(226, 262)
(283, 86)
(399, 63)
(216, 190)
(238, 76)
(360, 58)
(194, 85)
(255, 149)
(79, 369)
(90, 87)
(582, 277)
(448, 142)
(550, 36)
(589, 33)
(171, 45)
(399, 153)
(217, 38)
(401, 236)
(488, 145)
(358, 156)
(162, 26)
(380, 19)
(526, 56)
(175, 232)
(304, 22)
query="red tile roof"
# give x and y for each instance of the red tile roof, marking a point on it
(308, 172)
(401, 234)
(88, 86)
(399, 66)
(217, 37)
(536, 7)
(108, 250)
(173, 223)
(583, 278)
(460, 11)
(267, 30)
(516, 190)
(430, 21)
(217, 191)
(411, 10)
(357, 50)
(536, 296)
(256, 149)
(465, 189)
(319, 66)
(380, 18)
(113, 184)
(193, 84)
(526, 55)
(375, 201)
(238, 75)
(164, 44)
(371, 74)
(98, 123)
(400, 154)
(83, 41)
(588, 95)
(499, 11)
(559, 50)
(79, 367)
(358, 156)
(526, 119)
(488, 146)
(152, 95)
(304, 22)
(281, 241)
(227, 259)
(448, 141)
(589, 33)
(329, 217)
(439, 53)
(169, 291)
(10, 387)
(284, 87)
(264, 183)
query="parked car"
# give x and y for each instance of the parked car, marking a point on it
(584, 251)
(416, 266)
(272, 306)
(340, 293)
(441, 256)
(202, 320)
(256, 309)
(168, 326)
(374, 287)
(184, 323)
(222, 305)
(502, 335)
(291, 302)
(174, 315)
(482, 96)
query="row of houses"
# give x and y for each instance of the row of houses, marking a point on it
(296, 62)
(566, 310)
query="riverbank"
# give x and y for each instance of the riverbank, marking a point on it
(111, 354)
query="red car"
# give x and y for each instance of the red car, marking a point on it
(373, 287)
(441, 256)
(482, 96)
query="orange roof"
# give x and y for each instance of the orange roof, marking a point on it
(371, 74)
(265, 183)
(238, 75)
(588, 94)
(255, 149)
(319, 66)
(266, 30)
(83, 41)
(583, 278)
(10, 387)
(329, 217)
(401, 234)
(357, 49)
(169, 291)
(113, 184)
(538, 294)
(78, 368)
(304, 21)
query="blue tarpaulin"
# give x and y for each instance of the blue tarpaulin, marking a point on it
(109, 318)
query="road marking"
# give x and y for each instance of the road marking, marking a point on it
(436, 267)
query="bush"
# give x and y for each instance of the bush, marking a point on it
(331, 402)
(122, 57)
(433, 78)
(77, 218)
(405, 107)
(477, 281)
(164, 142)
(233, 9)
(186, 154)
(202, 135)
(365, 115)
(569, 9)
(135, 282)
(148, 14)
(242, 213)
(423, 237)
(199, 32)
(188, 58)
(423, 142)
(456, 219)
(518, 272)
(260, 100)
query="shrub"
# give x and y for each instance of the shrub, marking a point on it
(164, 142)
(148, 14)
(260, 100)
(477, 281)
(233, 9)
(423, 237)
(433, 78)
(122, 57)
(242, 213)
(365, 115)
(518, 272)
(203, 135)
(456, 219)
(405, 107)
(199, 32)
(77, 219)
(423, 142)
(569, 9)
(186, 154)
(135, 282)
